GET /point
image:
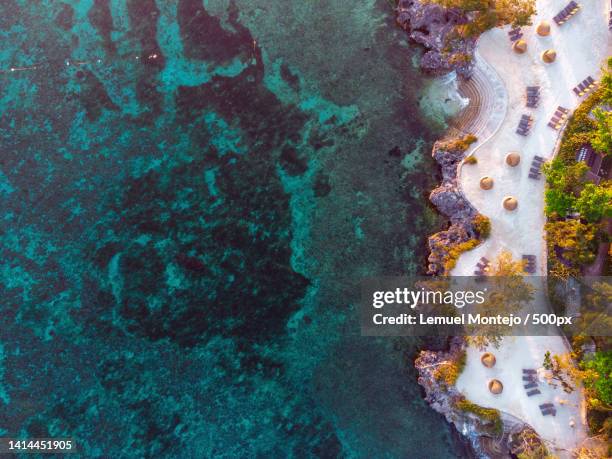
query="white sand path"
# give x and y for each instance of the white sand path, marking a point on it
(582, 44)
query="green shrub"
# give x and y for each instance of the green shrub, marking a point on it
(460, 144)
(448, 372)
(453, 253)
(470, 160)
(488, 415)
(601, 366)
(482, 224)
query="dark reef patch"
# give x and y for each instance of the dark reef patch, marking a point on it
(101, 19)
(205, 38)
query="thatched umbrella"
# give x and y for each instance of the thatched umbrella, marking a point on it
(543, 29)
(486, 183)
(488, 359)
(495, 386)
(510, 203)
(519, 46)
(513, 159)
(549, 56)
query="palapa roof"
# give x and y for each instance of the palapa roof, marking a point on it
(519, 46)
(513, 158)
(486, 183)
(543, 29)
(549, 56)
(495, 386)
(510, 203)
(488, 359)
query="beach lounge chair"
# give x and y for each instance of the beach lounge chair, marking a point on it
(529, 371)
(546, 405)
(533, 392)
(529, 378)
(531, 385)
(549, 411)
(539, 159)
(522, 132)
(534, 176)
(484, 260)
(563, 109)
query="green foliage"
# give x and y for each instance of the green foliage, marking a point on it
(567, 178)
(448, 372)
(470, 160)
(580, 128)
(558, 203)
(564, 183)
(606, 83)
(577, 240)
(594, 201)
(489, 415)
(452, 253)
(486, 14)
(460, 143)
(482, 223)
(601, 375)
(531, 446)
(602, 135)
(547, 363)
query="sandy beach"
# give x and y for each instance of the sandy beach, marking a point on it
(579, 54)
(581, 45)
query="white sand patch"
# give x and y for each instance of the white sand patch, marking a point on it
(514, 354)
(581, 44)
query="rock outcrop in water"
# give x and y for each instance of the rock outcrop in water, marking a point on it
(434, 27)
(450, 201)
(484, 439)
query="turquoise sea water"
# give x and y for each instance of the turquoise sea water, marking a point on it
(190, 193)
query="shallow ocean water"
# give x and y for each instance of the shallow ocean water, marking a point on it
(191, 192)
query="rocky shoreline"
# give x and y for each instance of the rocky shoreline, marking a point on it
(433, 27)
(483, 439)
(451, 203)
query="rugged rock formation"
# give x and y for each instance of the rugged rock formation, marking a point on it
(449, 200)
(484, 441)
(434, 27)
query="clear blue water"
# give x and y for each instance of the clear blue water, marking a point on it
(191, 192)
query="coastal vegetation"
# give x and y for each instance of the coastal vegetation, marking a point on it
(448, 372)
(591, 371)
(453, 253)
(578, 196)
(530, 446)
(470, 160)
(459, 143)
(482, 224)
(490, 416)
(510, 293)
(487, 14)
